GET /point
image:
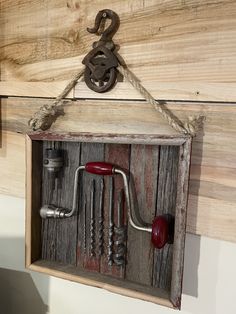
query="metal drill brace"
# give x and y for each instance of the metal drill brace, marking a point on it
(100, 72)
(161, 228)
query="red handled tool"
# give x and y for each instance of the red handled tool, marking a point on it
(162, 226)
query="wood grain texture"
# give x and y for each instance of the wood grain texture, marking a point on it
(182, 50)
(12, 164)
(165, 204)
(211, 205)
(90, 152)
(60, 235)
(114, 285)
(116, 154)
(180, 223)
(144, 168)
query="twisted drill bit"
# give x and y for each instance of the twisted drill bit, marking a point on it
(84, 226)
(92, 230)
(100, 220)
(111, 224)
(120, 234)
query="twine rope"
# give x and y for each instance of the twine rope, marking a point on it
(48, 113)
(172, 121)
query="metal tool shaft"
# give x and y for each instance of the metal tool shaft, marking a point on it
(111, 223)
(100, 220)
(92, 230)
(120, 233)
(84, 226)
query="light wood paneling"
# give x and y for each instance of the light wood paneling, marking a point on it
(12, 164)
(212, 202)
(179, 50)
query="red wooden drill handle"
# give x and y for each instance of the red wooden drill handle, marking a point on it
(100, 168)
(162, 231)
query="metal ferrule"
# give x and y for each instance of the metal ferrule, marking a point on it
(51, 211)
(53, 164)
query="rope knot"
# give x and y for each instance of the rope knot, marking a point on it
(194, 124)
(44, 118)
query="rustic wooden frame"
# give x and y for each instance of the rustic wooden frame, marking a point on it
(33, 220)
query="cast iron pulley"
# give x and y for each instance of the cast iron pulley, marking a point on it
(100, 71)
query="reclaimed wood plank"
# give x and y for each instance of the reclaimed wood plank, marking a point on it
(12, 164)
(194, 91)
(50, 195)
(114, 285)
(89, 152)
(33, 193)
(60, 235)
(165, 204)
(144, 160)
(94, 117)
(180, 223)
(33, 89)
(67, 228)
(118, 155)
(183, 50)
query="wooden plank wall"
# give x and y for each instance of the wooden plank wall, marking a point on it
(181, 51)
(189, 49)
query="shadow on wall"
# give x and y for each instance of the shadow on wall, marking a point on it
(191, 262)
(192, 248)
(18, 294)
(20, 291)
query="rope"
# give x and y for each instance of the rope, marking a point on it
(191, 127)
(47, 114)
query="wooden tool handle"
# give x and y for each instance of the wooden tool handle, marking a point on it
(162, 230)
(101, 168)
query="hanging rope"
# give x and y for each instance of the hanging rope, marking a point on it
(47, 114)
(172, 121)
(190, 127)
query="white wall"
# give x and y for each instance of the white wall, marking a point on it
(209, 278)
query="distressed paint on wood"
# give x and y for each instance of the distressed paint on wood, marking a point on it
(119, 155)
(67, 228)
(154, 175)
(58, 253)
(187, 48)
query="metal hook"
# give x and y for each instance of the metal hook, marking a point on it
(112, 28)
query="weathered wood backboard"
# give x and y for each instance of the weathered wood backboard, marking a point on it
(159, 167)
